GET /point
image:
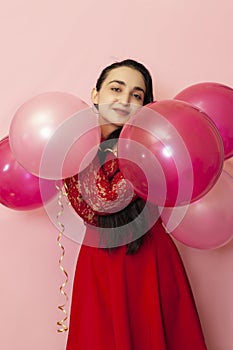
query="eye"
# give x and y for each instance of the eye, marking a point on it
(116, 89)
(137, 96)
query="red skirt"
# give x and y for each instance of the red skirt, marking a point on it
(133, 302)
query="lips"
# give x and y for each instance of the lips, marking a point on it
(122, 112)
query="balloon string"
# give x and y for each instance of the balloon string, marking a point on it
(63, 327)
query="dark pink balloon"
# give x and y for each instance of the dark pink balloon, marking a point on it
(54, 135)
(19, 189)
(206, 223)
(216, 100)
(178, 148)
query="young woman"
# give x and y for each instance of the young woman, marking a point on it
(130, 289)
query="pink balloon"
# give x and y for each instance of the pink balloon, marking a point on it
(216, 100)
(54, 135)
(181, 152)
(19, 189)
(206, 223)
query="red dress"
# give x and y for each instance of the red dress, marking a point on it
(141, 301)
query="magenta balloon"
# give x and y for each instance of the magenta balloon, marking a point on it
(139, 165)
(19, 189)
(184, 148)
(61, 121)
(216, 100)
(207, 222)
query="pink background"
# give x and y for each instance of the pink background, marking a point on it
(50, 45)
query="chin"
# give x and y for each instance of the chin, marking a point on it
(120, 124)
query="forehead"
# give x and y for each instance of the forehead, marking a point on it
(130, 76)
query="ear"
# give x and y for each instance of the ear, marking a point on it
(94, 96)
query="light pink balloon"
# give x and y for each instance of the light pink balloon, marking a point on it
(54, 135)
(216, 100)
(206, 223)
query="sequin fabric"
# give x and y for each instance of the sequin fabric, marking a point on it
(99, 190)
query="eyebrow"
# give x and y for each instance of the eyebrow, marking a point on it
(137, 88)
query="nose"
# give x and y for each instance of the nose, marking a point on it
(125, 99)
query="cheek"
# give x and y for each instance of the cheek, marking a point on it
(135, 106)
(106, 98)
(103, 109)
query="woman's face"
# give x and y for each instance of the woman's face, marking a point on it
(121, 94)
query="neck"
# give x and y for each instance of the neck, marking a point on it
(107, 128)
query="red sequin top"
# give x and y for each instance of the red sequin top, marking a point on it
(99, 190)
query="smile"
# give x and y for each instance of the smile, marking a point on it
(122, 112)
